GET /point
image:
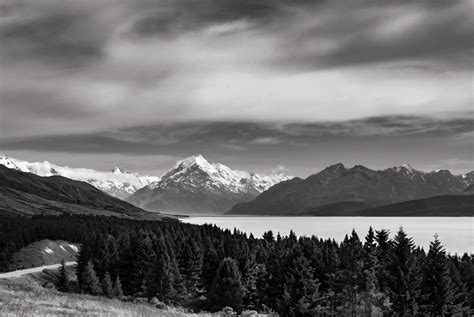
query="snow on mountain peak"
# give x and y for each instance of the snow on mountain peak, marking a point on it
(406, 168)
(117, 170)
(6, 161)
(194, 160)
(197, 171)
(116, 182)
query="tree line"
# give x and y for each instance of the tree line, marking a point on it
(207, 268)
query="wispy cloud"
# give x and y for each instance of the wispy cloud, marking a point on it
(325, 79)
(242, 135)
(67, 67)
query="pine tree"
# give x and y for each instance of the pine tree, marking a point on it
(370, 246)
(107, 286)
(460, 294)
(63, 280)
(117, 291)
(383, 251)
(300, 289)
(371, 294)
(436, 280)
(404, 279)
(190, 265)
(227, 288)
(89, 281)
(143, 257)
(160, 283)
(349, 280)
(209, 267)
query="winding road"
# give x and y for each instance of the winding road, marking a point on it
(19, 273)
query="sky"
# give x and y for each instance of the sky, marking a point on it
(283, 85)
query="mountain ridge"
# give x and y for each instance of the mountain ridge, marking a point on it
(337, 183)
(27, 194)
(116, 182)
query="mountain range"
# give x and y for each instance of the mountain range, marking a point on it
(27, 194)
(116, 182)
(341, 190)
(195, 186)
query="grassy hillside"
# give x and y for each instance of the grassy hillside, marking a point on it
(26, 297)
(35, 295)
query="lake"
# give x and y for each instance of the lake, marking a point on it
(456, 233)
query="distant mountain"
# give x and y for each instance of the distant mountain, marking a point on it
(337, 184)
(27, 194)
(194, 186)
(343, 208)
(437, 206)
(469, 189)
(115, 182)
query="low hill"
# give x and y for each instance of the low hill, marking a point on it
(438, 206)
(342, 208)
(26, 297)
(28, 194)
(45, 252)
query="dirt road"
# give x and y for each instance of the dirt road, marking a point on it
(19, 273)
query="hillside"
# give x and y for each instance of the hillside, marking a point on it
(29, 194)
(45, 252)
(337, 184)
(438, 206)
(26, 297)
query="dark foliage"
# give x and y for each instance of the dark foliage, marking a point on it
(204, 267)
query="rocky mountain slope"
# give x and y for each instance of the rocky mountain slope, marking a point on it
(353, 186)
(195, 186)
(28, 194)
(115, 182)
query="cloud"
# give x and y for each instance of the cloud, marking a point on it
(73, 66)
(303, 148)
(361, 32)
(265, 140)
(176, 138)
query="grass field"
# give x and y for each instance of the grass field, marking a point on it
(26, 297)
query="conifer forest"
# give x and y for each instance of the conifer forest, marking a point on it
(204, 268)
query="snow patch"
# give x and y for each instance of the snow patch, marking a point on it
(72, 246)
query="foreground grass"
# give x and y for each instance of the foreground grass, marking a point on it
(25, 297)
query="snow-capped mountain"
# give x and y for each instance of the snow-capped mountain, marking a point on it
(194, 185)
(115, 182)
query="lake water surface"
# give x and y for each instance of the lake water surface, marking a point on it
(456, 233)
